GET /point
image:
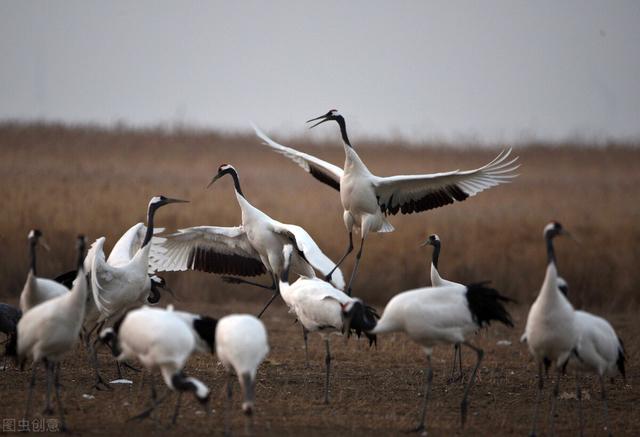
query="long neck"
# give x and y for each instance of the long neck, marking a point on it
(149, 234)
(236, 183)
(343, 131)
(32, 256)
(80, 263)
(551, 255)
(436, 254)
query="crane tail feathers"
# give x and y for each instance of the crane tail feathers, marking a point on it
(487, 304)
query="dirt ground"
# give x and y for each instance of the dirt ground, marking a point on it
(373, 391)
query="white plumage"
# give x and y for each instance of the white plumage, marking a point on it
(318, 307)
(550, 331)
(37, 290)
(49, 330)
(161, 340)
(251, 249)
(122, 281)
(436, 315)
(367, 198)
(241, 345)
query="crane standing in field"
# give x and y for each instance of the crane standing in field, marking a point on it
(252, 249)
(49, 330)
(162, 340)
(436, 315)
(550, 332)
(438, 281)
(367, 198)
(318, 307)
(37, 290)
(241, 346)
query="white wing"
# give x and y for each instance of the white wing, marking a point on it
(415, 193)
(130, 242)
(210, 249)
(314, 255)
(107, 282)
(319, 169)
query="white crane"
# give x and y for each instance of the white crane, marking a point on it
(550, 332)
(252, 249)
(599, 350)
(367, 199)
(432, 316)
(318, 307)
(37, 290)
(241, 345)
(123, 280)
(49, 330)
(438, 281)
(161, 340)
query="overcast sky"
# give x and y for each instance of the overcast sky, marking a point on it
(491, 70)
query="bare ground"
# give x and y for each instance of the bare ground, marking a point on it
(373, 391)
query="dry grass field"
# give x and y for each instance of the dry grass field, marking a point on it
(66, 180)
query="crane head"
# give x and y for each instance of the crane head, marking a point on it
(333, 114)
(553, 229)
(222, 170)
(158, 201)
(432, 240)
(35, 237)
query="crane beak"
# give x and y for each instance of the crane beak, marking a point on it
(44, 244)
(215, 178)
(571, 236)
(176, 201)
(424, 243)
(322, 119)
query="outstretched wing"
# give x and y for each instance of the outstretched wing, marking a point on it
(212, 249)
(415, 193)
(319, 169)
(314, 255)
(130, 242)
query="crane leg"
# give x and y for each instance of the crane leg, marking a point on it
(349, 250)
(603, 391)
(554, 398)
(234, 280)
(355, 268)
(154, 404)
(227, 410)
(457, 358)
(32, 384)
(305, 335)
(579, 399)
(55, 370)
(48, 370)
(465, 402)
(327, 362)
(174, 419)
(428, 378)
(537, 404)
(275, 294)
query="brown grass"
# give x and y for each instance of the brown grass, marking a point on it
(69, 180)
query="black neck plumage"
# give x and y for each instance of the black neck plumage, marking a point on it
(436, 254)
(32, 253)
(80, 256)
(151, 212)
(236, 182)
(551, 255)
(343, 130)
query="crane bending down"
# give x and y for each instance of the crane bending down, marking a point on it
(438, 281)
(163, 340)
(367, 199)
(550, 331)
(251, 249)
(318, 306)
(436, 315)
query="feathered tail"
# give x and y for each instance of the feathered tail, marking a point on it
(360, 318)
(487, 304)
